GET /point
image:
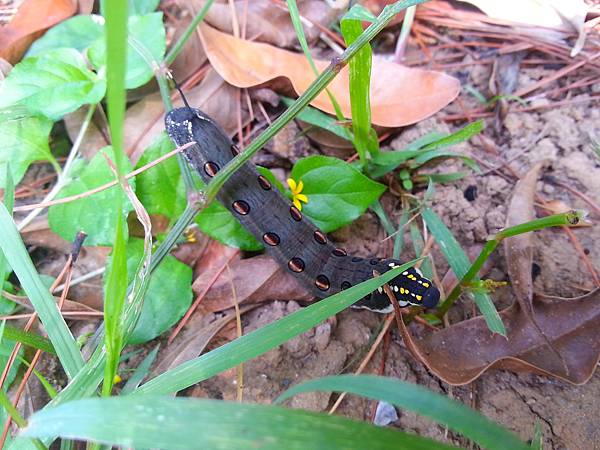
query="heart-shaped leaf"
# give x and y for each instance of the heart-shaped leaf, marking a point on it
(52, 84)
(337, 192)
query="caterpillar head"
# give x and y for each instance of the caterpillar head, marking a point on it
(409, 288)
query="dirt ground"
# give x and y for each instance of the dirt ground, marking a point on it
(568, 415)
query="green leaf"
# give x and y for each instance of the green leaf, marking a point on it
(94, 214)
(52, 84)
(140, 7)
(460, 264)
(141, 371)
(78, 32)
(44, 304)
(159, 422)
(218, 223)
(262, 340)
(337, 192)
(146, 46)
(168, 297)
(160, 188)
(316, 117)
(22, 142)
(412, 397)
(359, 76)
(6, 349)
(465, 133)
(385, 162)
(28, 338)
(6, 305)
(429, 155)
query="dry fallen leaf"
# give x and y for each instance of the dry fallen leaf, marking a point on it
(192, 341)
(255, 280)
(462, 352)
(556, 14)
(267, 21)
(32, 18)
(144, 121)
(399, 95)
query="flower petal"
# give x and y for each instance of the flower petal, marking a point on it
(301, 197)
(300, 186)
(297, 204)
(292, 184)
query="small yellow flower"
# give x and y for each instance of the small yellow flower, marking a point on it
(296, 189)
(117, 379)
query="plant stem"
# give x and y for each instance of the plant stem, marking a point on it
(63, 177)
(569, 219)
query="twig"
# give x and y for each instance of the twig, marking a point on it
(104, 186)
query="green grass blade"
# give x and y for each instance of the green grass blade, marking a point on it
(466, 132)
(412, 397)
(318, 118)
(262, 340)
(297, 23)
(460, 264)
(116, 286)
(359, 77)
(58, 332)
(30, 339)
(185, 423)
(140, 372)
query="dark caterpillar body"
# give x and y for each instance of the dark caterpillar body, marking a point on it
(287, 235)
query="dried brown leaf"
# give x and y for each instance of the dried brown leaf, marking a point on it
(192, 341)
(29, 23)
(255, 280)
(399, 95)
(461, 353)
(266, 21)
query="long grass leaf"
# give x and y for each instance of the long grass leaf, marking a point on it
(415, 398)
(116, 286)
(185, 423)
(44, 304)
(359, 78)
(262, 340)
(460, 264)
(30, 339)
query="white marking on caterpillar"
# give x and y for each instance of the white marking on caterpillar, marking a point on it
(380, 289)
(418, 271)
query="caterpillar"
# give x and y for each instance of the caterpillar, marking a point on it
(288, 236)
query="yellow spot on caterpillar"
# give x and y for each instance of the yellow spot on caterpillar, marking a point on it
(296, 189)
(425, 284)
(418, 297)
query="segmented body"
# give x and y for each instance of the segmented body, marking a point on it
(288, 236)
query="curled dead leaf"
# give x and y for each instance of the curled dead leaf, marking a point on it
(462, 352)
(399, 95)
